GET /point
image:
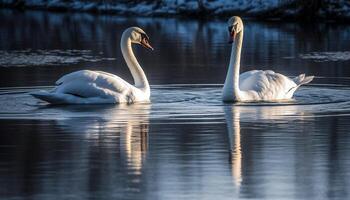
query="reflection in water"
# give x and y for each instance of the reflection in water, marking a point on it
(136, 142)
(289, 151)
(103, 122)
(253, 114)
(89, 147)
(234, 135)
(200, 47)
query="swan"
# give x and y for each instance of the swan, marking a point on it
(98, 87)
(255, 85)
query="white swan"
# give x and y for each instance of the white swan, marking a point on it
(97, 87)
(255, 85)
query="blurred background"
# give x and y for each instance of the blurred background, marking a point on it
(268, 9)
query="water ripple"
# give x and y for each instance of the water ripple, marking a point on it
(184, 103)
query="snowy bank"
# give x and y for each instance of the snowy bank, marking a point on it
(298, 9)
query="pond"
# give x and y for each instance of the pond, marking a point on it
(187, 143)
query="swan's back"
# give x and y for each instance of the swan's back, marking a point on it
(266, 85)
(85, 86)
(100, 79)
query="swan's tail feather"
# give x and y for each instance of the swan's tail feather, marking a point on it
(302, 79)
(49, 97)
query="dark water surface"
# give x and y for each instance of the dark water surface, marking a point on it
(186, 144)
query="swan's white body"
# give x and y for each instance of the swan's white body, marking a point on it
(97, 87)
(256, 85)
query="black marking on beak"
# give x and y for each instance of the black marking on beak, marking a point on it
(230, 29)
(145, 41)
(144, 35)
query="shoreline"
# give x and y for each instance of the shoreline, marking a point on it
(291, 12)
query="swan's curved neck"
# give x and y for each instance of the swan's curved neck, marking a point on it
(231, 88)
(138, 74)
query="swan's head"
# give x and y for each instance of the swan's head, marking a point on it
(235, 26)
(138, 36)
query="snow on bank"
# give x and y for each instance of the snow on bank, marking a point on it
(146, 8)
(270, 8)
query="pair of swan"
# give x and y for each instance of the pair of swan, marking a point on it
(94, 87)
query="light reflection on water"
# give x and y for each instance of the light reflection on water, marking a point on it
(186, 144)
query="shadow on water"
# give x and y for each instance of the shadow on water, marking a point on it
(186, 144)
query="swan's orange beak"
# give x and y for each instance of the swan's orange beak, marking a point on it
(146, 44)
(232, 37)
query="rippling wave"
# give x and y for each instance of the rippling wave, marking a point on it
(182, 102)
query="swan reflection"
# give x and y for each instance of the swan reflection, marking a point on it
(123, 128)
(234, 135)
(136, 144)
(250, 114)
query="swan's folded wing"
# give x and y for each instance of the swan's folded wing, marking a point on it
(248, 80)
(86, 83)
(266, 83)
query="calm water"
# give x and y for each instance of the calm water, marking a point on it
(186, 144)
